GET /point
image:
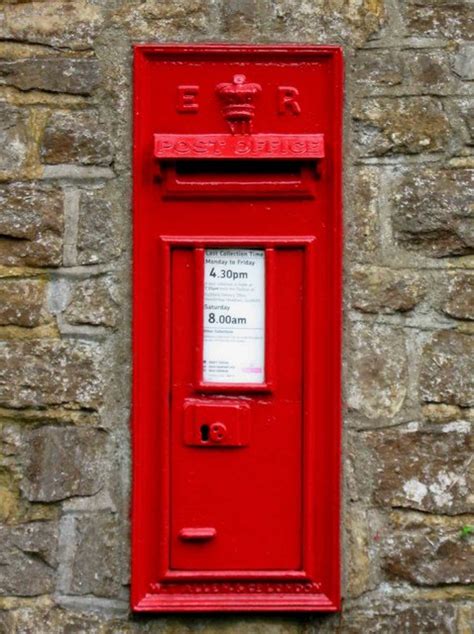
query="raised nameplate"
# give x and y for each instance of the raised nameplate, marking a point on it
(227, 146)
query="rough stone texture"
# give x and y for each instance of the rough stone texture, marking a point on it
(63, 75)
(93, 302)
(99, 236)
(240, 15)
(45, 619)
(60, 463)
(464, 66)
(441, 413)
(447, 372)
(378, 375)
(65, 244)
(436, 18)
(434, 213)
(14, 508)
(457, 298)
(55, 22)
(467, 113)
(416, 71)
(28, 559)
(151, 20)
(363, 229)
(400, 126)
(380, 290)
(430, 71)
(377, 68)
(429, 470)
(353, 22)
(22, 302)
(429, 557)
(358, 539)
(49, 372)
(395, 618)
(13, 137)
(31, 224)
(76, 138)
(96, 563)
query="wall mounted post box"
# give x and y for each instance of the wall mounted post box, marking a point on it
(237, 276)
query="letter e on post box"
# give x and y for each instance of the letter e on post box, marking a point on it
(236, 328)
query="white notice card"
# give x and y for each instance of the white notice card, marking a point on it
(234, 316)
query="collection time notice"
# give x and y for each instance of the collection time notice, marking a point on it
(234, 316)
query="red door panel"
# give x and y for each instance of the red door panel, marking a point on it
(254, 507)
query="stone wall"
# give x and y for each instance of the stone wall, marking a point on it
(65, 90)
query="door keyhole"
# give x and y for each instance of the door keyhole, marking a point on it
(204, 433)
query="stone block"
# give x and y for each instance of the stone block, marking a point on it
(13, 137)
(464, 64)
(58, 23)
(28, 558)
(429, 553)
(433, 212)
(42, 616)
(464, 108)
(31, 224)
(94, 302)
(54, 74)
(441, 413)
(424, 469)
(7, 623)
(457, 295)
(9, 497)
(465, 618)
(336, 21)
(241, 17)
(429, 71)
(14, 508)
(378, 371)
(22, 302)
(76, 137)
(96, 561)
(377, 68)
(439, 19)
(40, 373)
(60, 462)
(358, 556)
(99, 236)
(388, 618)
(382, 290)
(392, 125)
(363, 230)
(151, 20)
(447, 369)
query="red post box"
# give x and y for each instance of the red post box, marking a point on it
(237, 276)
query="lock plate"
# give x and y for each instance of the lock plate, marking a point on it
(214, 424)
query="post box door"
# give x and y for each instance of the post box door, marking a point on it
(236, 496)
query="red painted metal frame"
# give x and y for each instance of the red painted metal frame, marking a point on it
(314, 587)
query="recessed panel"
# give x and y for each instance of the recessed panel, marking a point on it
(238, 466)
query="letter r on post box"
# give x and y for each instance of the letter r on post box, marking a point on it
(287, 100)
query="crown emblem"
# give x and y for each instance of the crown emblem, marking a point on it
(238, 103)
